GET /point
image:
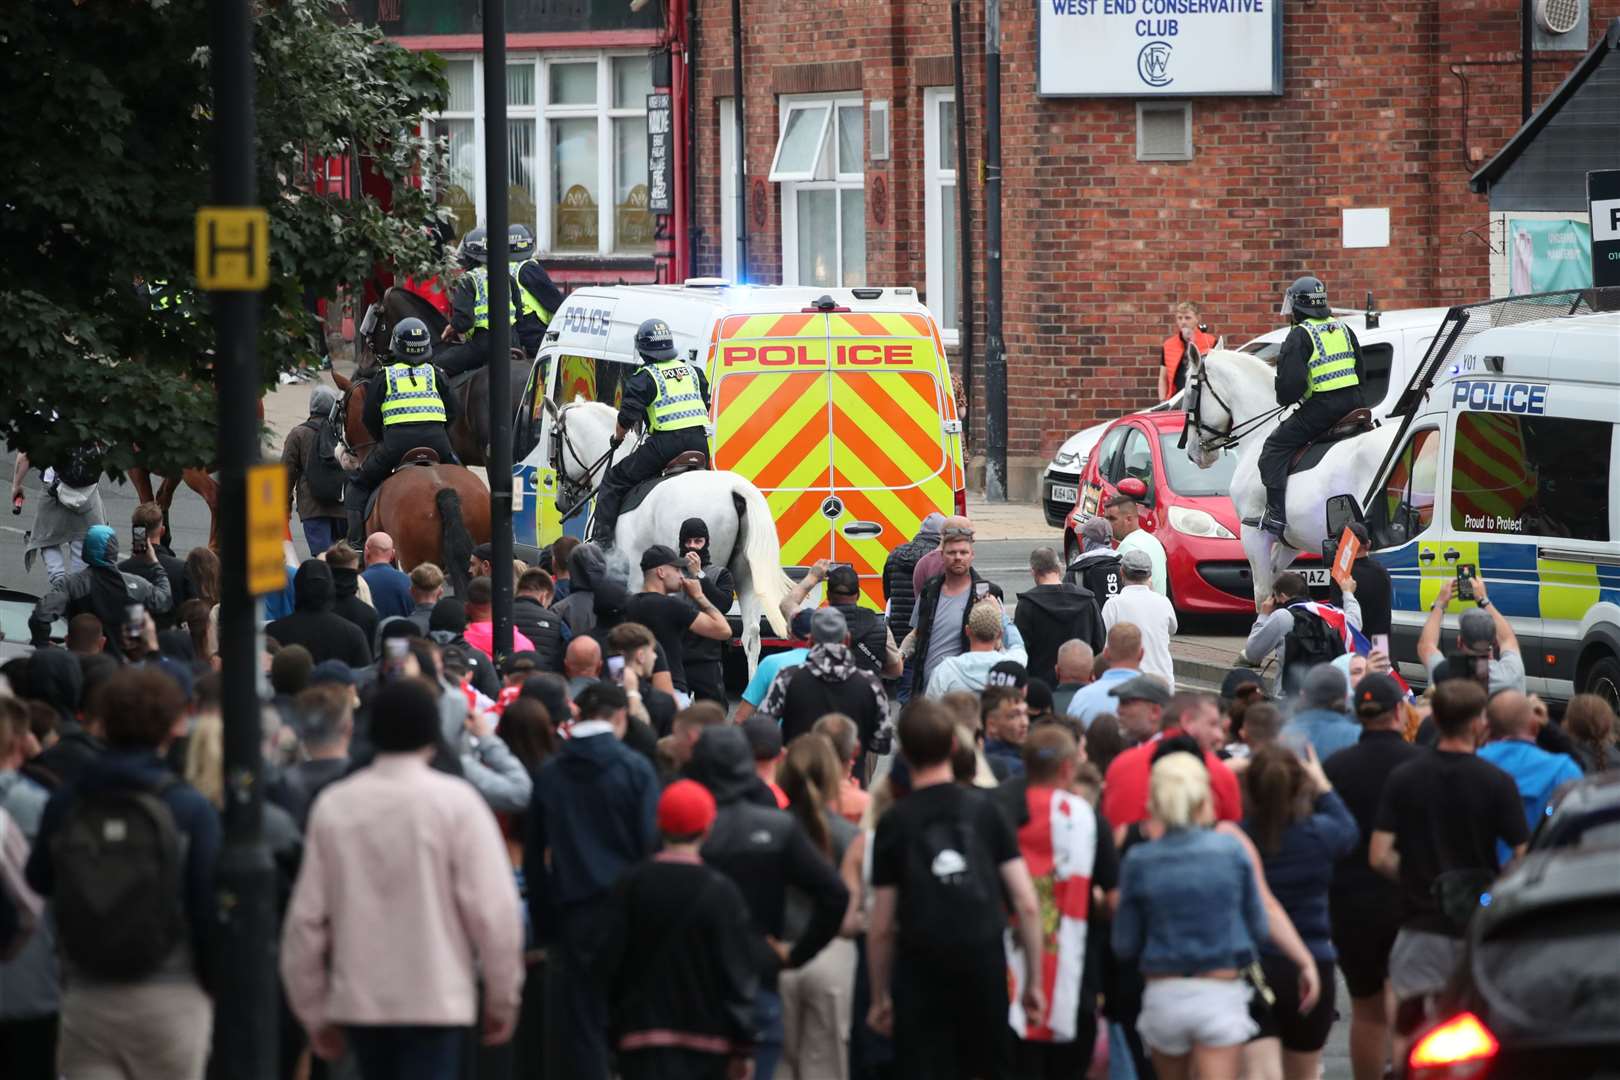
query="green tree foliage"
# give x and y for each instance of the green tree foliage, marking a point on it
(108, 135)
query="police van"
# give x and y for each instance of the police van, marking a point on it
(1506, 465)
(836, 403)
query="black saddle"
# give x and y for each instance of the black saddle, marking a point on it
(684, 462)
(417, 457)
(1354, 422)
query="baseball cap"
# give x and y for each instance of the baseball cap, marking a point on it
(1142, 688)
(828, 626)
(1096, 530)
(659, 555)
(1136, 561)
(843, 580)
(1476, 629)
(1379, 690)
(764, 737)
(331, 671)
(685, 809)
(1237, 679)
(1008, 673)
(527, 660)
(484, 552)
(799, 625)
(1325, 687)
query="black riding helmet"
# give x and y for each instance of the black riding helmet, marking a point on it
(474, 249)
(412, 341)
(1306, 298)
(519, 243)
(654, 341)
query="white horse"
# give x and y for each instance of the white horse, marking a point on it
(742, 533)
(1229, 396)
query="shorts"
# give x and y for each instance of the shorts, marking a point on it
(1363, 940)
(1281, 1020)
(1422, 963)
(1178, 1014)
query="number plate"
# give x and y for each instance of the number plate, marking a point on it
(1317, 577)
(1064, 494)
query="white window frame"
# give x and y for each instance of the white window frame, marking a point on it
(830, 179)
(542, 113)
(940, 185)
(824, 106)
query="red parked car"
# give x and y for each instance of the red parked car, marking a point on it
(1189, 509)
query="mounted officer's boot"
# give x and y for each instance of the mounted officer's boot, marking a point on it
(357, 530)
(1275, 519)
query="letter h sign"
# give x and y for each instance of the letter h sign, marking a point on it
(233, 248)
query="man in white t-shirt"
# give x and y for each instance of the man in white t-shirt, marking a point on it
(1151, 613)
(1121, 512)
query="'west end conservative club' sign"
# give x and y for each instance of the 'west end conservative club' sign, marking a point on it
(1160, 48)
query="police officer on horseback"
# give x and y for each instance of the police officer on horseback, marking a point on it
(672, 398)
(1319, 366)
(532, 299)
(408, 404)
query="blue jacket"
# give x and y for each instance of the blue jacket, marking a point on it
(1188, 903)
(595, 812)
(1536, 773)
(1326, 730)
(390, 590)
(1300, 871)
(194, 816)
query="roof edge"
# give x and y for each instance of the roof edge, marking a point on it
(1492, 170)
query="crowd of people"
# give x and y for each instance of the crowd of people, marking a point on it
(960, 836)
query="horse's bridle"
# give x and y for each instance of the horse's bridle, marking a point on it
(1215, 438)
(574, 492)
(341, 421)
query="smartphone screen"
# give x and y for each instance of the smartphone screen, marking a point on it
(615, 667)
(1465, 581)
(134, 621)
(981, 590)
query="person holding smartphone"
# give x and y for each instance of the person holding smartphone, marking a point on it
(1483, 637)
(148, 556)
(101, 589)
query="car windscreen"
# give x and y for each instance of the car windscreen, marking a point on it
(1185, 478)
(1556, 968)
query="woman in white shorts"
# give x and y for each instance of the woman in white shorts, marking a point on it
(1191, 918)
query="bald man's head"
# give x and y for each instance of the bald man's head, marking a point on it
(1075, 662)
(1509, 716)
(379, 548)
(583, 659)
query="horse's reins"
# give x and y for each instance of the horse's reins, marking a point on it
(1218, 439)
(342, 422)
(584, 484)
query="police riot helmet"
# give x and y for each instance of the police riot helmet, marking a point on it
(519, 243)
(474, 249)
(1306, 298)
(411, 341)
(654, 340)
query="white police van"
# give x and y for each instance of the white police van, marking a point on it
(1509, 463)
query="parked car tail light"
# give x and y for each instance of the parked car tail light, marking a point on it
(1194, 522)
(1460, 1048)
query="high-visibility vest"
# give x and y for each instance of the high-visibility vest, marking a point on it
(678, 405)
(1332, 363)
(531, 303)
(411, 396)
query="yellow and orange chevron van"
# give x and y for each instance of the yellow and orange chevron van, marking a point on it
(836, 403)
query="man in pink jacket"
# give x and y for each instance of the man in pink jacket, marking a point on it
(480, 632)
(404, 903)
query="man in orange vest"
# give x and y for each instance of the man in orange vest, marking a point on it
(1190, 336)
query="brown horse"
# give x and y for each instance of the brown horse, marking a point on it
(469, 435)
(197, 478)
(435, 513)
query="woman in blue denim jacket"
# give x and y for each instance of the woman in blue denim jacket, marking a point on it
(1191, 918)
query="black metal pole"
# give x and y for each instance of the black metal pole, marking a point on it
(995, 350)
(500, 326)
(741, 140)
(964, 223)
(1527, 62)
(246, 1005)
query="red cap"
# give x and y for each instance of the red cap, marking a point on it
(685, 809)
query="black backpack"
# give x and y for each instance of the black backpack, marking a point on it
(323, 474)
(950, 898)
(1101, 575)
(117, 865)
(82, 468)
(1311, 642)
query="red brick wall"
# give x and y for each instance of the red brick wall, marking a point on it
(1099, 247)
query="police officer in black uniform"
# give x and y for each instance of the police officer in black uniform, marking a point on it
(408, 404)
(1319, 366)
(672, 397)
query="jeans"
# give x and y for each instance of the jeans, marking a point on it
(768, 1019)
(576, 1038)
(62, 560)
(322, 532)
(28, 1047)
(407, 1052)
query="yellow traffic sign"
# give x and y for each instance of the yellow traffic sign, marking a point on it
(266, 528)
(233, 248)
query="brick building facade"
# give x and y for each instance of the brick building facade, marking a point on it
(1384, 106)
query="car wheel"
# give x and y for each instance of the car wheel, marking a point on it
(1604, 681)
(1071, 550)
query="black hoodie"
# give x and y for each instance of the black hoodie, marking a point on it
(55, 677)
(764, 850)
(594, 601)
(1049, 615)
(718, 588)
(346, 580)
(314, 625)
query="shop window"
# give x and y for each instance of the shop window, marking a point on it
(576, 171)
(942, 211)
(1531, 476)
(819, 161)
